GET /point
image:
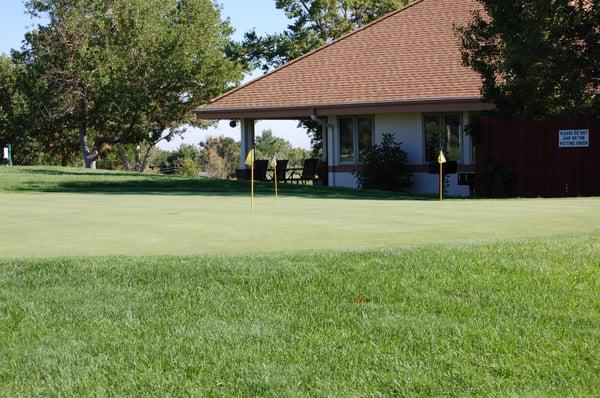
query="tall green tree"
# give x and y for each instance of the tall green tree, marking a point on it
(313, 23)
(129, 72)
(219, 156)
(171, 61)
(20, 107)
(536, 57)
(11, 105)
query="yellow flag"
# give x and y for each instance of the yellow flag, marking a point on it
(250, 158)
(441, 158)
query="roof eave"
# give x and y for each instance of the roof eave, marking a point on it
(462, 104)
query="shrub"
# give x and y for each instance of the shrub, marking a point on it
(216, 166)
(189, 168)
(384, 167)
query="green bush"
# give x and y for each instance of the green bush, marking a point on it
(189, 168)
(384, 167)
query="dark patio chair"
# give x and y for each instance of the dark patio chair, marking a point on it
(309, 172)
(282, 169)
(260, 170)
(242, 174)
(323, 173)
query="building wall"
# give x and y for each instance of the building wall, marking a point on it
(531, 153)
(408, 129)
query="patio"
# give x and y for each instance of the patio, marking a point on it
(313, 171)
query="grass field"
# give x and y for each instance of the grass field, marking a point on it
(64, 212)
(120, 285)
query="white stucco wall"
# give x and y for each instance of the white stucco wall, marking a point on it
(345, 180)
(408, 129)
(425, 183)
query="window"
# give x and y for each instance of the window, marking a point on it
(442, 131)
(452, 136)
(346, 140)
(432, 137)
(365, 135)
(356, 136)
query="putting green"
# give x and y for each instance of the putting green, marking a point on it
(44, 224)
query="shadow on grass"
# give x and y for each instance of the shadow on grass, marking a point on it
(204, 187)
(65, 172)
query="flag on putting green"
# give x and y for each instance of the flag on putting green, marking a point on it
(250, 158)
(441, 158)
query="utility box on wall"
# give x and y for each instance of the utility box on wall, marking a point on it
(558, 156)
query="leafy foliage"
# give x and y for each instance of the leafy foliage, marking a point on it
(384, 167)
(189, 168)
(170, 161)
(219, 156)
(127, 71)
(21, 105)
(536, 57)
(268, 146)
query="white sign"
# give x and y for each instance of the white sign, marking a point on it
(574, 138)
(5, 153)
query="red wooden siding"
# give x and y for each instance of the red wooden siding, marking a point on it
(529, 149)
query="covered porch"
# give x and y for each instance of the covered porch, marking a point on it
(347, 130)
(312, 170)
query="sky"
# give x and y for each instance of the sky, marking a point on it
(244, 15)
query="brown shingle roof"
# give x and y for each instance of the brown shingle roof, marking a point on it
(409, 56)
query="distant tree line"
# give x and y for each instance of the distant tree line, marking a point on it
(219, 157)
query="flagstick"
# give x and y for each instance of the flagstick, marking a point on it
(441, 182)
(275, 178)
(441, 161)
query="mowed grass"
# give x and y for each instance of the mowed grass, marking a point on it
(113, 284)
(503, 319)
(67, 212)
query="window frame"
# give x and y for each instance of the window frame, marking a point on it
(355, 138)
(441, 121)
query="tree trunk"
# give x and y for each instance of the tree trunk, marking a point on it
(146, 159)
(123, 156)
(136, 164)
(89, 161)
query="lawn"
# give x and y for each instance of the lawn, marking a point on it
(120, 285)
(65, 212)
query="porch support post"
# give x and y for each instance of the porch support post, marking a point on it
(247, 140)
(331, 148)
(324, 139)
(467, 147)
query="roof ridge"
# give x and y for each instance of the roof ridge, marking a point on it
(316, 50)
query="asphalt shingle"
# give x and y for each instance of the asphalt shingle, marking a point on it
(410, 55)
